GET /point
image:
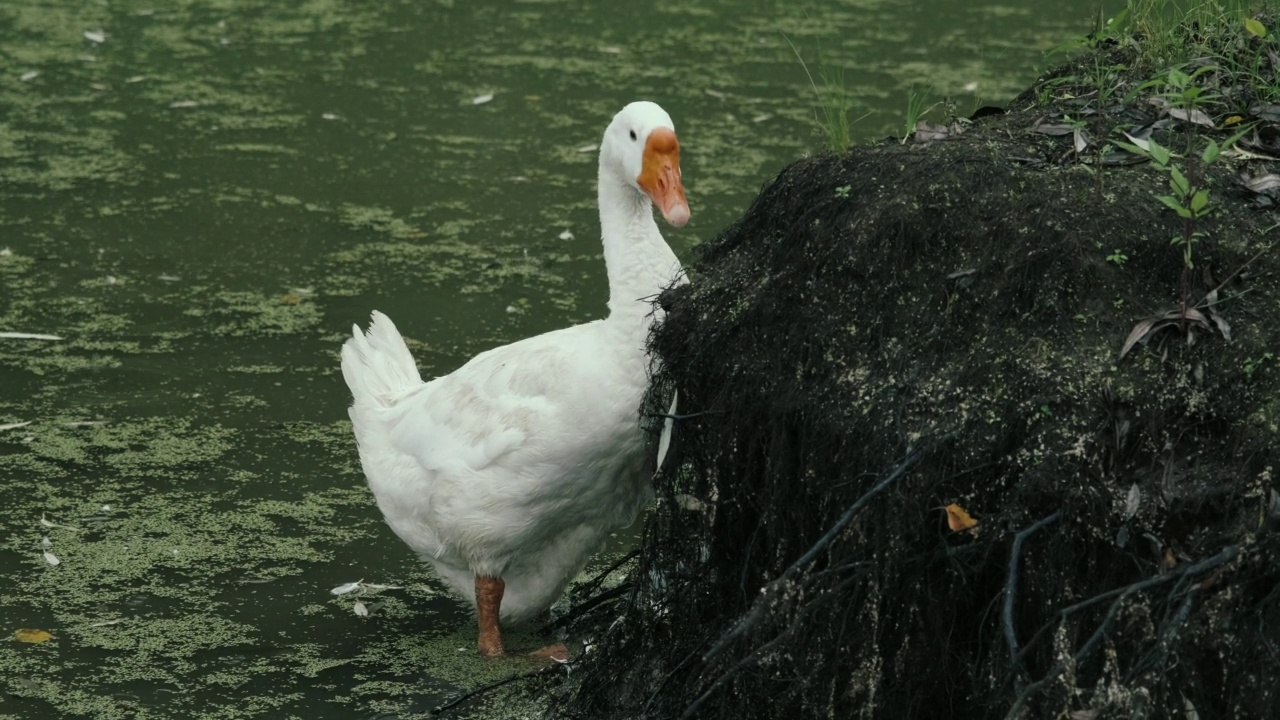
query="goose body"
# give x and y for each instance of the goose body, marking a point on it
(508, 473)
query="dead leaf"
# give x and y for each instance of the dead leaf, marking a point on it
(51, 559)
(31, 635)
(1080, 140)
(1132, 501)
(1270, 113)
(1192, 116)
(927, 131)
(1144, 330)
(1055, 129)
(95, 36)
(482, 99)
(959, 520)
(13, 426)
(1090, 714)
(1169, 562)
(361, 609)
(1261, 183)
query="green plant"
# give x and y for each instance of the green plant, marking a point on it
(1117, 257)
(834, 103)
(843, 191)
(915, 111)
(1189, 196)
(1251, 365)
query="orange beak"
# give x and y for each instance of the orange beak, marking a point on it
(660, 176)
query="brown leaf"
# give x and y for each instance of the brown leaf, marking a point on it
(1143, 331)
(959, 520)
(1169, 562)
(29, 635)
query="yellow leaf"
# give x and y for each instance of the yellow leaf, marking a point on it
(1233, 120)
(958, 519)
(28, 635)
(1255, 28)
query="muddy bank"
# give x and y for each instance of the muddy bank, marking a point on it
(913, 475)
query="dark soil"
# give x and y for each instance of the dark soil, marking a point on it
(904, 327)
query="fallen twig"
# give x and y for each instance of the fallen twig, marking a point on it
(1223, 557)
(757, 611)
(1011, 584)
(538, 672)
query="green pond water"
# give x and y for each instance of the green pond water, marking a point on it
(201, 197)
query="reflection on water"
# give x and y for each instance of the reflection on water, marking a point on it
(200, 198)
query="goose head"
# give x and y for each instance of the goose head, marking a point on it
(640, 151)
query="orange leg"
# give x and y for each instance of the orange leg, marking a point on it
(488, 601)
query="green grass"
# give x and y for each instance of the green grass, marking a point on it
(833, 101)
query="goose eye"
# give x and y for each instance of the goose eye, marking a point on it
(633, 134)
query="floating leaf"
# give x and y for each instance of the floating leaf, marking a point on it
(347, 588)
(482, 99)
(14, 426)
(51, 524)
(31, 635)
(588, 148)
(51, 559)
(28, 336)
(566, 235)
(96, 36)
(184, 104)
(45, 542)
(29, 75)
(361, 609)
(958, 519)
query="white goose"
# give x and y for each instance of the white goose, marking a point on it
(508, 473)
